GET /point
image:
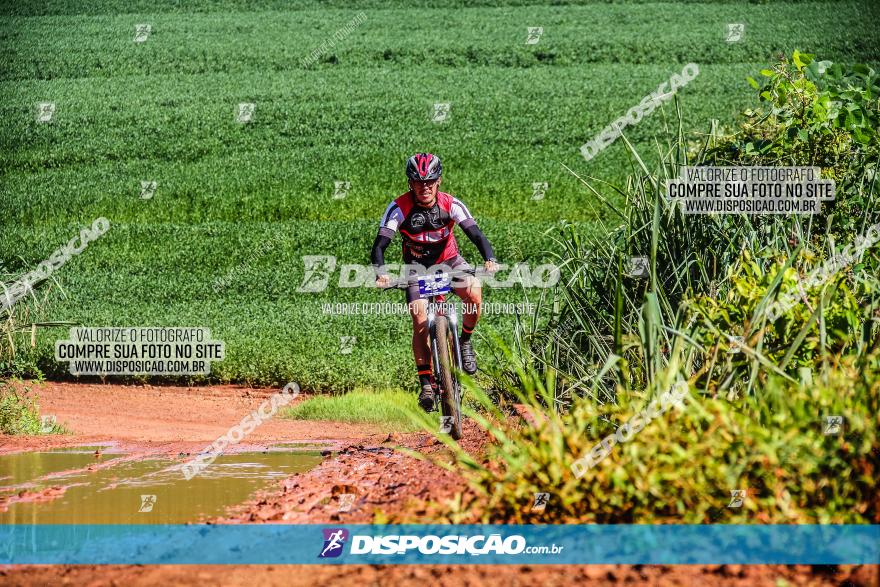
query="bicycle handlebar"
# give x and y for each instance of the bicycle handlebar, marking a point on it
(414, 279)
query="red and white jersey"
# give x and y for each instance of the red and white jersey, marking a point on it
(426, 232)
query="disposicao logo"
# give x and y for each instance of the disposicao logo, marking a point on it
(334, 540)
(445, 545)
(455, 544)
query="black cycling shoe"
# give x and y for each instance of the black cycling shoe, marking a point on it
(468, 358)
(426, 398)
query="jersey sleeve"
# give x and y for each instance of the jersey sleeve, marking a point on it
(461, 215)
(391, 220)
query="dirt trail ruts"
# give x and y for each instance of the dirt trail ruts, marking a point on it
(153, 419)
(384, 481)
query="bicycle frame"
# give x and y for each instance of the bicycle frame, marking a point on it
(452, 316)
(447, 309)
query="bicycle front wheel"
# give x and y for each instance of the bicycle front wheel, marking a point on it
(450, 402)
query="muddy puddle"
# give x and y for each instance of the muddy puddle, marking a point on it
(102, 485)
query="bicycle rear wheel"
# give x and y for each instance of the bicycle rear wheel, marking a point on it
(450, 402)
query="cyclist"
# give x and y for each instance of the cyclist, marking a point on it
(425, 217)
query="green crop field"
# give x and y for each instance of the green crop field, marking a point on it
(244, 202)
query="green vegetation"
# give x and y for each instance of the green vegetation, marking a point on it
(816, 113)
(20, 412)
(390, 410)
(164, 110)
(19, 326)
(761, 382)
(682, 466)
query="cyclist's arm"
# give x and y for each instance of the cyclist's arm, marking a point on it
(377, 255)
(387, 229)
(462, 216)
(479, 239)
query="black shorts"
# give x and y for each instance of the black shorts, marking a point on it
(457, 262)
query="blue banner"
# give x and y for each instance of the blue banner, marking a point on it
(439, 544)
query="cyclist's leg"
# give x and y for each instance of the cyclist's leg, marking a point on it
(469, 289)
(418, 313)
(420, 347)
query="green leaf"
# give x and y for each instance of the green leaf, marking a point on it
(752, 82)
(861, 137)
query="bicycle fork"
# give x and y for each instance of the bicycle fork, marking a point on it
(452, 317)
(456, 351)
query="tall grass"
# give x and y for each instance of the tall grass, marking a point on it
(609, 328)
(682, 467)
(19, 324)
(759, 386)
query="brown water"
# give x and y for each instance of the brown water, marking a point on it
(19, 468)
(148, 490)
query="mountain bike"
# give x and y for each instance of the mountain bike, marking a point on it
(444, 343)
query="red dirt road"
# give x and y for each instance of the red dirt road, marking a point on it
(169, 420)
(439, 576)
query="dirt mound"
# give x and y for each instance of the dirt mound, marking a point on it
(384, 481)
